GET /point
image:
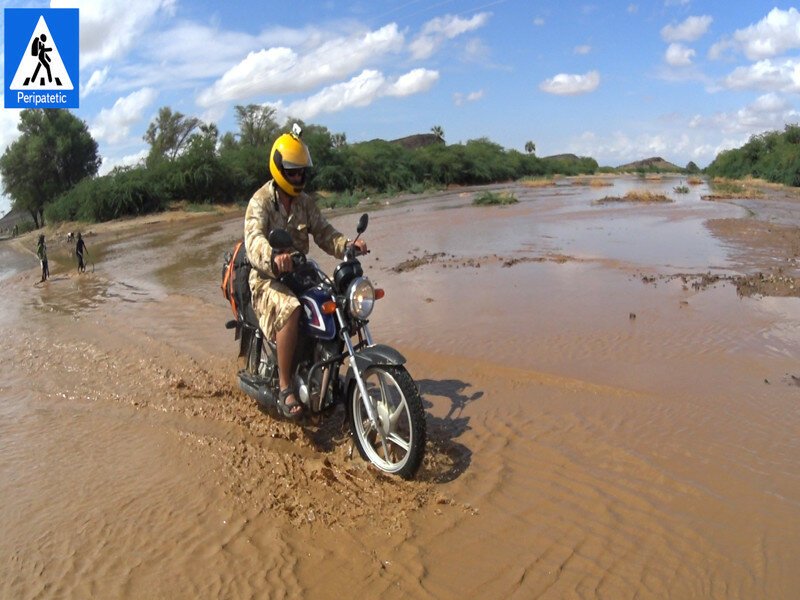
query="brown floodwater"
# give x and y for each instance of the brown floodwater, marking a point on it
(601, 426)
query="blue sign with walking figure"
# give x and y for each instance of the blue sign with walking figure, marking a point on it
(42, 67)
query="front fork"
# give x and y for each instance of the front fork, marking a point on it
(362, 387)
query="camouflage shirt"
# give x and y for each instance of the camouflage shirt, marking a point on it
(265, 213)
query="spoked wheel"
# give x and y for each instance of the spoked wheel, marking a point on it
(401, 418)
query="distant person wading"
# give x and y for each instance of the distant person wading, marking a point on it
(41, 252)
(80, 248)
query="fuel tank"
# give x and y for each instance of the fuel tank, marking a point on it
(313, 322)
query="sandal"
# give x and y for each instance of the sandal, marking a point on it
(292, 410)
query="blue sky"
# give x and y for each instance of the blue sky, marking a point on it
(618, 81)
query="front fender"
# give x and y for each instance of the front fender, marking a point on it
(379, 354)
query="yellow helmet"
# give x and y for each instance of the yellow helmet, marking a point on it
(289, 152)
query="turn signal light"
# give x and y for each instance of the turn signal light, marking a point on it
(379, 293)
(329, 307)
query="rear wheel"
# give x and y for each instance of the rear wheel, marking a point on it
(400, 417)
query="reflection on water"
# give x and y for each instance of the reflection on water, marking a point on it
(782, 337)
(81, 294)
(564, 219)
(651, 240)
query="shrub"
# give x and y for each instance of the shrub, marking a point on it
(493, 198)
(124, 192)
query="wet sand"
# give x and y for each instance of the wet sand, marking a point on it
(609, 415)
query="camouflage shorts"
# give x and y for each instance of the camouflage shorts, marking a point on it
(273, 303)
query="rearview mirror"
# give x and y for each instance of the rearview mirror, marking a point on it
(362, 223)
(280, 239)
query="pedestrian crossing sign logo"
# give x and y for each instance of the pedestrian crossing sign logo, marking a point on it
(41, 65)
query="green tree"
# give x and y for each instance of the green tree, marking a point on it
(53, 153)
(530, 147)
(792, 133)
(257, 125)
(773, 155)
(692, 168)
(438, 132)
(169, 134)
(198, 175)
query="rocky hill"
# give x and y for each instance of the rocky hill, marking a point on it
(419, 140)
(655, 163)
(561, 157)
(14, 217)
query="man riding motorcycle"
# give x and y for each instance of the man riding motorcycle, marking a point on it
(281, 203)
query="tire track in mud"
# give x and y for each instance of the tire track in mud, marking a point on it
(306, 475)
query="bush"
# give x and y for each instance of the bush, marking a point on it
(199, 175)
(493, 198)
(122, 193)
(772, 155)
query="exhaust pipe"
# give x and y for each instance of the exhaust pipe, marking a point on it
(259, 393)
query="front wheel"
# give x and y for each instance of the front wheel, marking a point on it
(401, 418)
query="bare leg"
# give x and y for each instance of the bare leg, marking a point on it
(286, 340)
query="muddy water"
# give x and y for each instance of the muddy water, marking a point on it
(596, 428)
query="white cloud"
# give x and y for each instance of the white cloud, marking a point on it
(767, 112)
(773, 35)
(476, 51)
(436, 31)
(96, 80)
(766, 75)
(9, 119)
(699, 138)
(361, 90)
(565, 84)
(689, 30)
(633, 8)
(459, 98)
(584, 49)
(718, 49)
(678, 55)
(776, 33)
(109, 28)
(113, 124)
(413, 82)
(280, 70)
(538, 21)
(193, 51)
(618, 147)
(129, 160)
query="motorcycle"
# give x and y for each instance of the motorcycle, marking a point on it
(337, 362)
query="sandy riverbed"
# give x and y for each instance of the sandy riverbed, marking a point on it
(612, 395)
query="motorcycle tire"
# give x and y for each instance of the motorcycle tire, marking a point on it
(400, 415)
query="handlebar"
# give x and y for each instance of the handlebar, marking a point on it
(298, 259)
(353, 251)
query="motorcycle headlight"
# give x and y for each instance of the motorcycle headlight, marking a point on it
(361, 298)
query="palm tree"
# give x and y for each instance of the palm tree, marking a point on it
(438, 132)
(530, 147)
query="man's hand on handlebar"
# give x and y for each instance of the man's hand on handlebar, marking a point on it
(284, 263)
(360, 247)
